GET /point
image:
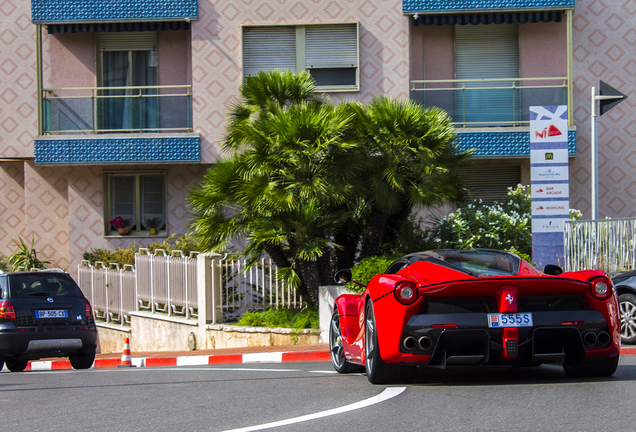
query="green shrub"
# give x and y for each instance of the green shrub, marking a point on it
(185, 243)
(367, 268)
(505, 225)
(282, 317)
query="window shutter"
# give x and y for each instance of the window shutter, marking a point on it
(331, 46)
(490, 183)
(483, 52)
(128, 41)
(267, 48)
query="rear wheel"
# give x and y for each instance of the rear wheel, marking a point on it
(628, 318)
(82, 359)
(16, 365)
(593, 368)
(338, 359)
(1, 365)
(378, 371)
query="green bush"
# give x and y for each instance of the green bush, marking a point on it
(367, 268)
(185, 243)
(283, 317)
(505, 225)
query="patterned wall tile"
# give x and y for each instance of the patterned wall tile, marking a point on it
(603, 39)
(17, 83)
(216, 42)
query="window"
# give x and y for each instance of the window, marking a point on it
(128, 60)
(329, 52)
(490, 183)
(487, 52)
(139, 197)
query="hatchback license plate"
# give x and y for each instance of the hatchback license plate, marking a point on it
(510, 320)
(53, 313)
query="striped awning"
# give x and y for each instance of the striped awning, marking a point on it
(117, 27)
(489, 18)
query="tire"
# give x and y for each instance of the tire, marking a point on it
(82, 359)
(628, 318)
(16, 365)
(378, 371)
(1, 365)
(593, 368)
(338, 359)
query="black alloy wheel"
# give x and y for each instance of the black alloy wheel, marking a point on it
(82, 359)
(16, 365)
(338, 359)
(378, 371)
(628, 318)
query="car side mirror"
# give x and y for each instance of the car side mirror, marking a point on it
(343, 276)
(552, 270)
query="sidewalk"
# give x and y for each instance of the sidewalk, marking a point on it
(268, 354)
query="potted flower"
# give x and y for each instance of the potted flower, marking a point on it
(122, 225)
(152, 225)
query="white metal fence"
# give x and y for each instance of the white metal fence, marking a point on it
(255, 288)
(609, 245)
(167, 284)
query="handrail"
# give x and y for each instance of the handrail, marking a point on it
(116, 88)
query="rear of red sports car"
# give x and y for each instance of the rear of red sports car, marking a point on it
(477, 307)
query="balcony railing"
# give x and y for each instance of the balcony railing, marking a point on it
(140, 109)
(490, 102)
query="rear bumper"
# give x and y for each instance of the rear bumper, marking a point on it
(465, 339)
(37, 344)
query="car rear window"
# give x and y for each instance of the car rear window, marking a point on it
(50, 285)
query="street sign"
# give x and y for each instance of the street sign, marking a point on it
(612, 97)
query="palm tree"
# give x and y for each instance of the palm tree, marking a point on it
(413, 161)
(284, 186)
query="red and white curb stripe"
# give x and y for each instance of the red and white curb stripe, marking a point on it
(269, 357)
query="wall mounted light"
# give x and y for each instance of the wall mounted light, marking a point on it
(416, 16)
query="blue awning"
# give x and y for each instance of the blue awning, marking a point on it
(117, 27)
(489, 18)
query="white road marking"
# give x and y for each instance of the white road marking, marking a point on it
(387, 394)
(325, 372)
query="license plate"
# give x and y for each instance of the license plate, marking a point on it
(52, 313)
(510, 320)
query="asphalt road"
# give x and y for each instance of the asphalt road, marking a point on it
(219, 398)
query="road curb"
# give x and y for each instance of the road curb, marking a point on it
(265, 357)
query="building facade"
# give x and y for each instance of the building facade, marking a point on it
(117, 107)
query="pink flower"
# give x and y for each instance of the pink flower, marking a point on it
(120, 222)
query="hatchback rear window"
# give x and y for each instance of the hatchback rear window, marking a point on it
(50, 285)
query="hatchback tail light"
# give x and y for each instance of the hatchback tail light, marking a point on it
(601, 288)
(88, 310)
(406, 293)
(6, 310)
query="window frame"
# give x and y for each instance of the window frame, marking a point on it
(108, 216)
(301, 50)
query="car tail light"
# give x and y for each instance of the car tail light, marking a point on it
(88, 310)
(6, 310)
(601, 288)
(406, 293)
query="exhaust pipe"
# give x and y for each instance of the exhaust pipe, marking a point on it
(604, 338)
(589, 338)
(409, 343)
(425, 343)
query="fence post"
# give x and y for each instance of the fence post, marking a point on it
(208, 293)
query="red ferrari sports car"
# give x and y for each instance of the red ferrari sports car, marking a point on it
(475, 307)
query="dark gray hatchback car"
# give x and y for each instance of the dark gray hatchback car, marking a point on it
(44, 314)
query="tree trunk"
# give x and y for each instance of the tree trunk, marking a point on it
(310, 277)
(372, 237)
(345, 258)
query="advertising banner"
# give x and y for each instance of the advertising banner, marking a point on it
(549, 174)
